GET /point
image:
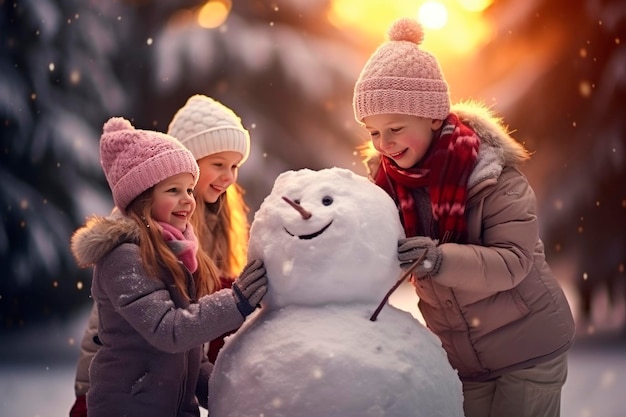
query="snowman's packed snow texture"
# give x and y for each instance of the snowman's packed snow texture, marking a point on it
(312, 350)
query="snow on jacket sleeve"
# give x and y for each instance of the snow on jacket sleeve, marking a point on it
(146, 303)
(508, 233)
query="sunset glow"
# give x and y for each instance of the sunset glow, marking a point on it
(454, 27)
(433, 15)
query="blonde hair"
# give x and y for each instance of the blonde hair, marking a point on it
(155, 253)
(222, 229)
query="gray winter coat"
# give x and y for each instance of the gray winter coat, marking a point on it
(494, 302)
(152, 336)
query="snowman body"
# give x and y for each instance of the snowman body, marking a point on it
(312, 350)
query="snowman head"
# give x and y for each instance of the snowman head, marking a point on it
(326, 237)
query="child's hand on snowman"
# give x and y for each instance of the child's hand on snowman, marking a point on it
(250, 287)
(412, 248)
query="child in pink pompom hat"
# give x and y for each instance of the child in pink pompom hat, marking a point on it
(151, 285)
(484, 286)
(402, 78)
(134, 160)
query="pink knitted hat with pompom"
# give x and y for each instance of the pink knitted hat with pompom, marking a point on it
(134, 160)
(400, 78)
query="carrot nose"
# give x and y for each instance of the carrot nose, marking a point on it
(305, 214)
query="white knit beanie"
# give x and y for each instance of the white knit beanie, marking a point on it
(205, 126)
(401, 78)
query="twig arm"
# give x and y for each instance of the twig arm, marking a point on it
(404, 276)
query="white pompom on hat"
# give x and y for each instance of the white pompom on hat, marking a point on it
(134, 160)
(401, 78)
(205, 126)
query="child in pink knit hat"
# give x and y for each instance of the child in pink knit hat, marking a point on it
(152, 287)
(484, 287)
(220, 144)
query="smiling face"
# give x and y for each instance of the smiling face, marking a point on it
(308, 212)
(403, 138)
(173, 200)
(217, 172)
(338, 245)
(306, 215)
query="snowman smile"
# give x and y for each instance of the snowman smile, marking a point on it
(312, 235)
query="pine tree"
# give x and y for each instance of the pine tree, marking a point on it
(69, 65)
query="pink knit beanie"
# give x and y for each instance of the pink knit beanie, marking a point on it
(400, 78)
(205, 126)
(134, 160)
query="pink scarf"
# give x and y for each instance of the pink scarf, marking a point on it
(444, 170)
(184, 245)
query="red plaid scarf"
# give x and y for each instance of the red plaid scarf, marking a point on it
(444, 170)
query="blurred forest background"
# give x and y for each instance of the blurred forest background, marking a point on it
(556, 73)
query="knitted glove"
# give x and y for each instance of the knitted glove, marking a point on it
(79, 409)
(250, 287)
(412, 248)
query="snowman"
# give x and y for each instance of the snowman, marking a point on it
(329, 242)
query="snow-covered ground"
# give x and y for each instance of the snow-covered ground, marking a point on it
(37, 369)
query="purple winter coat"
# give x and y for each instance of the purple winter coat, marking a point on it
(150, 361)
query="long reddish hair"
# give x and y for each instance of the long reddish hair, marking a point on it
(155, 253)
(222, 229)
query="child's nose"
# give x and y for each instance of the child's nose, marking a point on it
(386, 140)
(228, 176)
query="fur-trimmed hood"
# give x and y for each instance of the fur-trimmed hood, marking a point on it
(100, 235)
(492, 131)
(497, 148)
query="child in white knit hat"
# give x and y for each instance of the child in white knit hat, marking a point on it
(217, 139)
(484, 288)
(156, 294)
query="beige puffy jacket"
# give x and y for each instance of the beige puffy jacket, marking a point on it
(495, 303)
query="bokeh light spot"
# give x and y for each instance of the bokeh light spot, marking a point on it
(214, 13)
(433, 15)
(75, 77)
(584, 88)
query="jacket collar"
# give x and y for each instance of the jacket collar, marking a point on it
(100, 235)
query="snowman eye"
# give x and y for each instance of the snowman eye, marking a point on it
(297, 201)
(327, 201)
